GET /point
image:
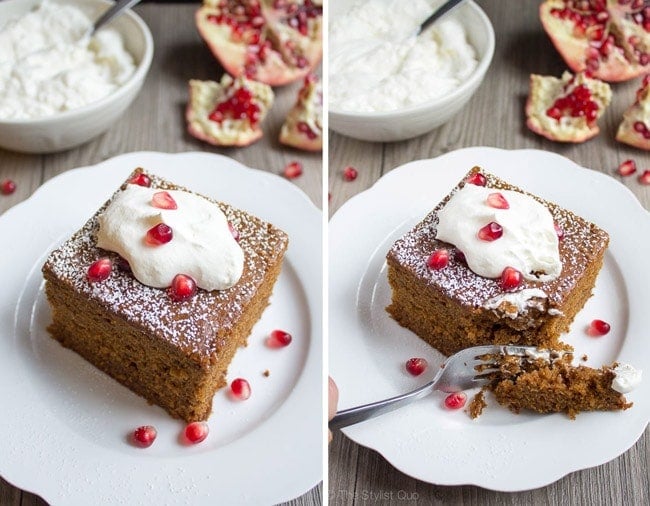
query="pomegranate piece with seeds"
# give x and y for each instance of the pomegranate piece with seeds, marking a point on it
(608, 38)
(100, 270)
(228, 113)
(183, 287)
(511, 278)
(196, 432)
(303, 126)
(159, 235)
(144, 436)
(598, 328)
(272, 41)
(278, 339)
(438, 259)
(7, 187)
(416, 365)
(566, 109)
(634, 130)
(627, 168)
(240, 389)
(456, 400)
(293, 170)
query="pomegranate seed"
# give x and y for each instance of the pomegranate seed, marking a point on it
(163, 200)
(144, 436)
(416, 365)
(7, 187)
(456, 400)
(598, 328)
(293, 170)
(278, 339)
(490, 232)
(511, 278)
(159, 235)
(627, 167)
(350, 173)
(438, 259)
(477, 179)
(645, 177)
(240, 389)
(182, 288)
(233, 231)
(559, 231)
(498, 201)
(141, 180)
(196, 432)
(99, 270)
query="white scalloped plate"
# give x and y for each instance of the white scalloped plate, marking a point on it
(499, 450)
(65, 424)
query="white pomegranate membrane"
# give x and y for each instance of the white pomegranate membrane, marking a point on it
(377, 64)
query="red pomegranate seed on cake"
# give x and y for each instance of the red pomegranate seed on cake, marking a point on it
(141, 180)
(100, 269)
(456, 400)
(511, 278)
(645, 177)
(350, 173)
(159, 235)
(183, 287)
(559, 231)
(490, 232)
(293, 170)
(438, 259)
(416, 365)
(278, 339)
(498, 201)
(144, 436)
(598, 328)
(233, 231)
(7, 187)
(240, 389)
(478, 179)
(163, 200)
(627, 167)
(196, 432)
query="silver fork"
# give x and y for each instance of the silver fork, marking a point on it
(469, 368)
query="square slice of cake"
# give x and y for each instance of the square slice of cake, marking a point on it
(174, 291)
(492, 264)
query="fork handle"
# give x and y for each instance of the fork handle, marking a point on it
(361, 413)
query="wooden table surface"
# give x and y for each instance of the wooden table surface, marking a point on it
(493, 117)
(155, 122)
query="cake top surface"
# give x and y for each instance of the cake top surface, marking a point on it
(199, 326)
(580, 242)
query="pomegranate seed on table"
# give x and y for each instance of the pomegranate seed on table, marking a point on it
(196, 432)
(627, 167)
(416, 365)
(163, 200)
(645, 177)
(159, 235)
(7, 187)
(100, 269)
(456, 400)
(279, 339)
(350, 173)
(490, 232)
(477, 179)
(498, 201)
(598, 328)
(293, 170)
(182, 288)
(511, 278)
(240, 389)
(144, 436)
(141, 180)
(438, 259)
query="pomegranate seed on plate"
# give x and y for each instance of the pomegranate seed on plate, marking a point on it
(141, 180)
(490, 232)
(7, 187)
(645, 177)
(163, 200)
(456, 400)
(159, 235)
(598, 328)
(627, 167)
(100, 269)
(240, 389)
(278, 339)
(196, 432)
(183, 287)
(438, 259)
(350, 173)
(416, 365)
(144, 436)
(477, 179)
(293, 170)
(511, 278)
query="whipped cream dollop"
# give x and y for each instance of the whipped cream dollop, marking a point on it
(626, 378)
(529, 242)
(48, 67)
(517, 303)
(202, 245)
(376, 63)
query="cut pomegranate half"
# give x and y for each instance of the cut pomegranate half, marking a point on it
(272, 41)
(303, 127)
(635, 127)
(609, 38)
(228, 113)
(566, 109)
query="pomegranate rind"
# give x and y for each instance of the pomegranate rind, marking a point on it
(544, 90)
(308, 109)
(638, 111)
(205, 95)
(274, 71)
(618, 65)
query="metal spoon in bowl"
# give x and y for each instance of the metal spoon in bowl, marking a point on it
(437, 14)
(112, 12)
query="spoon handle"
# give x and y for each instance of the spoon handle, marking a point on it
(442, 10)
(113, 11)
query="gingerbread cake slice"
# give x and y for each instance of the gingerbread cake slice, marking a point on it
(492, 264)
(175, 289)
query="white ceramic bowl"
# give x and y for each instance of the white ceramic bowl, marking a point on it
(71, 128)
(419, 119)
